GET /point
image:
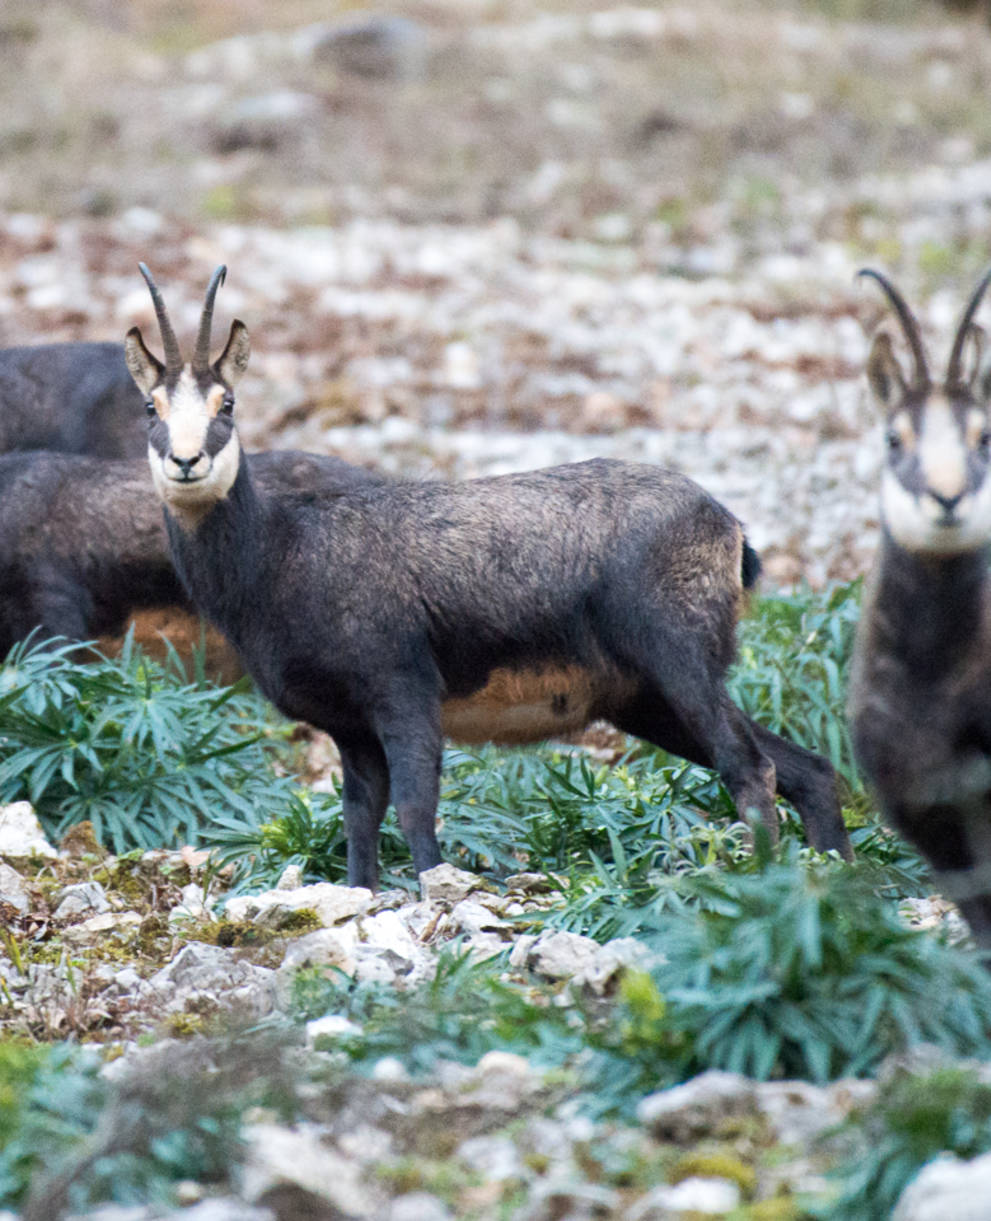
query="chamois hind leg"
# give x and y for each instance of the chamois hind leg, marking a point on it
(365, 797)
(699, 722)
(808, 781)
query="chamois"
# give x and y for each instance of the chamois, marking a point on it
(74, 398)
(83, 543)
(920, 692)
(507, 609)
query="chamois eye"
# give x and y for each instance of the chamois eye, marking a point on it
(150, 407)
(984, 441)
(227, 406)
(893, 441)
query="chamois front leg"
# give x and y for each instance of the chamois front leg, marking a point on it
(61, 605)
(411, 737)
(955, 839)
(695, 718)
(364, 798)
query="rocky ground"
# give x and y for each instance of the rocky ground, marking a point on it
(130, 952)
(180, 981)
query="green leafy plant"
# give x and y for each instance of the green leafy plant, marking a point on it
(502, 811)
(146, 755)
(794, 657)
(801, 969)
(914, 1117)
(71, 1138)
(49, 1098)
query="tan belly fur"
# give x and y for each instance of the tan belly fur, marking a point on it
(529, 705)
(186, 633)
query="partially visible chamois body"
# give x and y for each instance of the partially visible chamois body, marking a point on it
(506, 609)
(920, 697)
(73, 398)
(83, 543)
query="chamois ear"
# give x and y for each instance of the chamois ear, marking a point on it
(233, 361)
(884, 373)
(147, 370)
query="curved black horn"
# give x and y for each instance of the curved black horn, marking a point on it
(201, 357)
(173, 358)
(953, 368)
(909, 324)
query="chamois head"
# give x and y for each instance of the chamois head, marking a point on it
(193, 446)
(936, 484)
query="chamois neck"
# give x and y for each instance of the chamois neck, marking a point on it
(220, 557)
(932, 607)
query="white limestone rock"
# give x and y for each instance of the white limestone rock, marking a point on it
(447, 884)
(107, 924)
(325, 1032)
(299, 1157)
(472, 917)
(493, 1158)
(214, 976)
(692, 1197)
(501, 1081)
(699, 1106)
(21, 833)
(799, 1112)
(13, 890)
(418, 1206)
(193, 906)
(332, 904)
(81, 897)
(290, 879)
(565, 1197)
(558, 954)
(948, 1189)
(325, 947)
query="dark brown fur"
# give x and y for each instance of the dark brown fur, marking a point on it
(597, 591)
(74, 398)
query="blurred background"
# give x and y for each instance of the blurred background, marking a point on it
(472, 236)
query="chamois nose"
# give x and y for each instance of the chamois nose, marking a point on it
(948, 503)
(186, 464)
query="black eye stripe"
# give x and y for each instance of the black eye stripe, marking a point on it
(218, 433)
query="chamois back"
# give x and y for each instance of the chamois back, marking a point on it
(75, 398)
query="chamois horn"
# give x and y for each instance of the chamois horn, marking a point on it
(173, 358)
(956, 355)
(920, 378)
(201, 357)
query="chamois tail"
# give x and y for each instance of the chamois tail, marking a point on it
(750, 566)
